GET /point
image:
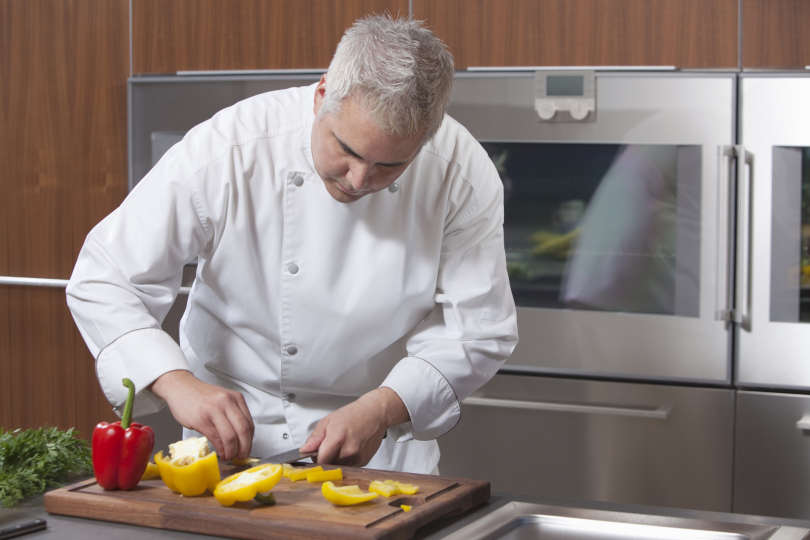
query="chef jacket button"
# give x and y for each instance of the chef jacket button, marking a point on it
(290, 397)
(291, 349)
(393, 188)
(296, 179)
(285, 436)
(292, 268)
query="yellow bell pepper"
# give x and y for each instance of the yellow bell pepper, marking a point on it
(388, 488)
(406, 489)
(246, 485)
(193, 479)
(296, 474)
(345, 495)
(322, 476)
(405, 507)
(150, 472)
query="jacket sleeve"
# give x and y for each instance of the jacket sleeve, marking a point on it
(128, 273)
(472, 329)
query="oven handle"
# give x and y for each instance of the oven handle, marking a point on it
(742, 270)
(656, 413)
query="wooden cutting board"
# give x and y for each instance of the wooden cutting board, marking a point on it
(300, 510)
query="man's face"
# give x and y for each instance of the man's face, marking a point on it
(352, 154)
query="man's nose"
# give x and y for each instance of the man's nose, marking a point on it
(360, 176)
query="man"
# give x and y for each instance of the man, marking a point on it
(332, 226)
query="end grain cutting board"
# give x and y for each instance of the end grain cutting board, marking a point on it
(300, 510)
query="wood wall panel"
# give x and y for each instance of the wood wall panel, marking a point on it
(683, 33)
(775, 34)
(63, 70)
(243, 34)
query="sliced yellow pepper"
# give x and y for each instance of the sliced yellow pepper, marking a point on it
(406, 489)
(193, 479)
(245, 485)
(405, 507)
(388, 488)
(345, 495)
(240, 462)
(322, 476)
(297, 474)
(150, 472)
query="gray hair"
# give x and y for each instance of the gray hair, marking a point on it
(400, 70)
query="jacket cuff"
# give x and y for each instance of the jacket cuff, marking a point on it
(431, 402)
(142, 356)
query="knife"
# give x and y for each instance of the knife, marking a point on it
(290, 456)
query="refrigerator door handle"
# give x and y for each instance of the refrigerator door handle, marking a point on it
(656, 413)
(724, 292)
(744, 230)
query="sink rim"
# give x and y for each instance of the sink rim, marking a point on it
(497, 520)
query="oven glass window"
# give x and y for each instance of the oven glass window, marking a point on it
(790, 235)
(602, 226)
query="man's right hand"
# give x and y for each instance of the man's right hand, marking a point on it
(219, 414)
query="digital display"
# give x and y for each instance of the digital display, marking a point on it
(564, 85)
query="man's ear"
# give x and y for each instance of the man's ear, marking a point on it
(320, 93)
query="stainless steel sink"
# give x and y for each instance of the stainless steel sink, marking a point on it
(523, 521)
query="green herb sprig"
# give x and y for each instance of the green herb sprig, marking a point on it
(32, 460)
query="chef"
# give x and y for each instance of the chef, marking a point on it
(350, 287)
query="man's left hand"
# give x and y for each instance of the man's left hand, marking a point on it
(352, 434)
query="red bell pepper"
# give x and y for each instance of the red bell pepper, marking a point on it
(121, 449)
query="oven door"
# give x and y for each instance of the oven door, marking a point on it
(773, 300)
(616, 227)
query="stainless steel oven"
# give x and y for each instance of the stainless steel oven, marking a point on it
(616, 228)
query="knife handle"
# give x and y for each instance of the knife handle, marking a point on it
(22, 528)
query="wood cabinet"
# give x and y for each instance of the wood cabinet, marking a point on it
(186, 35)
(63, 69)
(681, 33)
(774, 34)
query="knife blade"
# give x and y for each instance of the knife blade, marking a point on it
(290, 456)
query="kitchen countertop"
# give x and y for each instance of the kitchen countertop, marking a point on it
(72, 528)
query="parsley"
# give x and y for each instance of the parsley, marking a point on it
(32, 460)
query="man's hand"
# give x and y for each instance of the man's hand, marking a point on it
(352, 434)
(219, 414)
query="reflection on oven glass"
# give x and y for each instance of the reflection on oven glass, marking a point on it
(602, 226)
(790, 235)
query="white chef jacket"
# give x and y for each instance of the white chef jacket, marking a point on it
(300, 302)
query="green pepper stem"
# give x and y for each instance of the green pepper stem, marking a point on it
(127, 416)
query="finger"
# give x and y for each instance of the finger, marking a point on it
(329, 449)
(242, 427)
(229, 441)
(209, 431)
(246, 413)
(315, 438)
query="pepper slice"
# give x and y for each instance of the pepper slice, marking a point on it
(295, 474)
(387, 488)
(151, 471)
(345, 495)
(190, 480)
(245, 485)
(322, 476)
